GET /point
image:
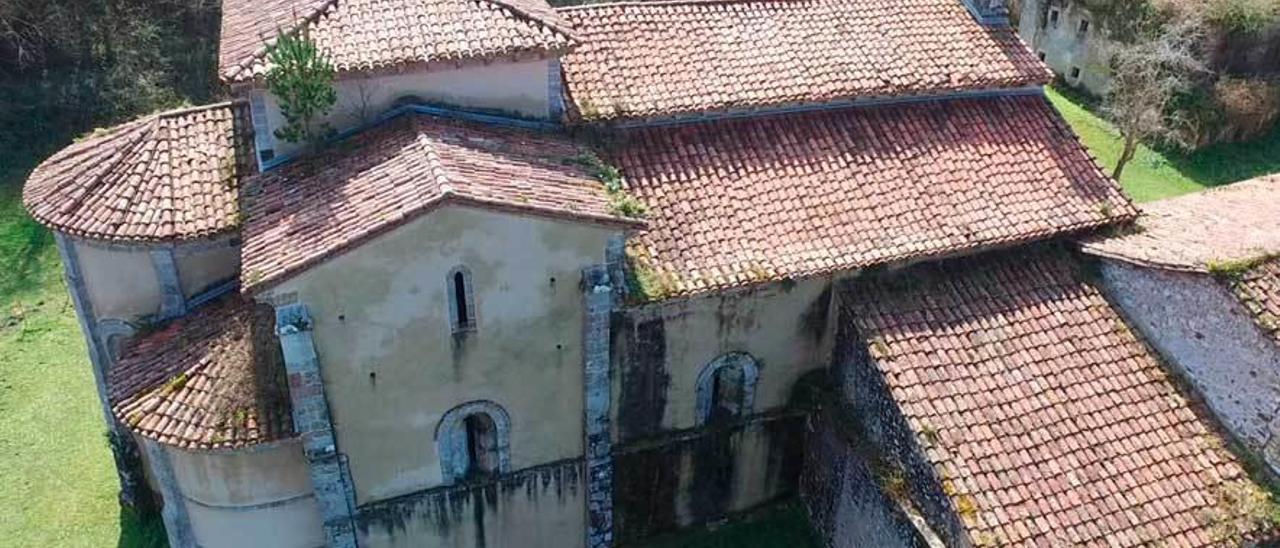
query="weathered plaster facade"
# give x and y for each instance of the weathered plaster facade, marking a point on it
(674, 468)
(393, 367)
(1065, 48)
(1201, 329)
(521, 88)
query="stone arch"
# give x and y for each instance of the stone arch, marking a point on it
(113, 334)
(747, 372)
(460, 291)
(455, 447)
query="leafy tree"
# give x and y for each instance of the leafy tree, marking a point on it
(1149, 75)
(301, 79)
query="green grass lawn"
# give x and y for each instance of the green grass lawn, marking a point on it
(60, 484)
(781, 526)
(1155, 174)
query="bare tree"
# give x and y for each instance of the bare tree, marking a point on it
(1148, 75)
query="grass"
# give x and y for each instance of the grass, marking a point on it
(60, 483)
(1154, 174)
(781, 526)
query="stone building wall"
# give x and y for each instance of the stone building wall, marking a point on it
(672, 467)
(539, 507)
(862, 388)
(1202, 330)
(1064, 47)
(846, 504)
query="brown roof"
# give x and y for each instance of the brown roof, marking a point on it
(359, 35)
(212, 380)
(1232, 223)
(168, 176)
(736, 202)
(302, 213)
(656, 59)
(1258, 289)
(1047, 420)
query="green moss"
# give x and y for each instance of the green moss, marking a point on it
(645, 284)
(621, 202)
(1233, 269)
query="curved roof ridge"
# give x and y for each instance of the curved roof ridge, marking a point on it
(321, 8)
(165, 176)
(556, 23)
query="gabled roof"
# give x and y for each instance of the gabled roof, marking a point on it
(212, 380)
(661, 59)
(1232, 223)
(303, 213)
(164, 177)
(736, 202)
(1047, 420)
(360, 35)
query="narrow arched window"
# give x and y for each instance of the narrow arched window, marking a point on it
(726, 388)
(462, 304)
(472, 442)
(482, 445)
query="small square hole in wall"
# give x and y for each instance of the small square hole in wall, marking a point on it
(1053, 18)
(1075, 73)
(1084, 27)
(1041, 55)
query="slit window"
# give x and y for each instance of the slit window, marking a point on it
(1053, 18)
(462, 303)
(1041, 55)
(1084, 28)
(1075, 73)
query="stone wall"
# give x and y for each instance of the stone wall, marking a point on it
(842, 494)
(695, 476)
(861, 387)
(672, 469)
(1064, 47)
(540, 507)
(1202, 330)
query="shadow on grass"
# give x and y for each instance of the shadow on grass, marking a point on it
(782, 525)
(1225, 163)
(24, 244)
(137, 531)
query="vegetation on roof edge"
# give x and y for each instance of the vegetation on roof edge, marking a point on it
(621, 202)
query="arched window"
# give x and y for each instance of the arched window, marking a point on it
(472, 442)
(462, 302)
(726, 388)
(113, 335)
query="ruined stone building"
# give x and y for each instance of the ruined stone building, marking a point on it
(579, 276)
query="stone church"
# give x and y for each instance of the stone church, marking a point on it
(579, 276)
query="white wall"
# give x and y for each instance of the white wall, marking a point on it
(520, 88)
(1063, 46)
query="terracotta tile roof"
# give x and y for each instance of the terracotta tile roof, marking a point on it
(1190, 232)
(655, 59)
(1047, 420)
(212, 380)
(1258, 289)
(302, 213)
(168, 176)
(359, 35)
(742, 201)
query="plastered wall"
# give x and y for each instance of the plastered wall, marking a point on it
(659, 350)
(1064, 47)
(1196, 323)
(518, 88)
(392, 367)
(260, 496)
(535, 508)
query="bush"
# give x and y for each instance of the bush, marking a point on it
(1249, 107)
(1242, 16)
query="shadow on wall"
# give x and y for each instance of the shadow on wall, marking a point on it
(137, 531)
